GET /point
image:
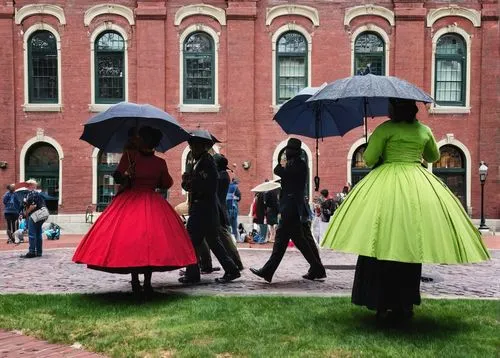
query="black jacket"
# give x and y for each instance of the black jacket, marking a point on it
(293, 185)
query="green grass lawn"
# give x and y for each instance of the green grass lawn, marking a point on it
(186, 326)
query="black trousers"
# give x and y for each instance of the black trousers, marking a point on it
(296, 231)
(208, 232)
(205, 258)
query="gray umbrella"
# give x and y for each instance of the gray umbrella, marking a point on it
(368, 95)
(109, 130)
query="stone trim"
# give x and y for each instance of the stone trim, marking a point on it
(200, 9)
(199, 107)
(472, 15)
(103, 9)
(434, 108)
(377, 30)
(286, 10)
(450, 140)
(276, 35)
(41, 9)
(369, 9)
(41, 137)
(41, 107)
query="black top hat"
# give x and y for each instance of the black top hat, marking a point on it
(221, 162)
(294, 143)
(203, 135)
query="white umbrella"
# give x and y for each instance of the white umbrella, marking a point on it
(266, 186)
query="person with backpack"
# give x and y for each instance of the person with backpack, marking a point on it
(327, 208)
(12, 207)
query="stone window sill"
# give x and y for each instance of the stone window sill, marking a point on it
(449, 110)
(95, 107)
(42, 107)
(199, 108)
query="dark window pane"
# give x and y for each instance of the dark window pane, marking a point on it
(42, 157)
(42, 63)
(107, 164)
(291, 65)
(110, 68)
(369, 54)
(451, 157)
(199, 69)
(450, 70)
(358, 167)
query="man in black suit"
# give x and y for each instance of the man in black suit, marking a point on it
(294, 214)
(203, 222)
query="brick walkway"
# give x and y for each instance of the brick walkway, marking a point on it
(15, 345)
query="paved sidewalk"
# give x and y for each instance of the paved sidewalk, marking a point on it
(14, 344)
(54, 272)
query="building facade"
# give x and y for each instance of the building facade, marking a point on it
(227, 66)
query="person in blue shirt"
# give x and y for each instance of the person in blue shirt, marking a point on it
(232, 198)
(12, 207)
(33, 202)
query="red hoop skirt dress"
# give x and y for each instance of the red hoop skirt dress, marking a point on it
(139, 231)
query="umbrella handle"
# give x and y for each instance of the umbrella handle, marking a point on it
(316, 183)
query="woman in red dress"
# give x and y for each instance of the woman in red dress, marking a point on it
(139, 232)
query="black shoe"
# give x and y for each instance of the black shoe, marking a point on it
(261, 274)
(314, 276)
(136, 287)
(188, 280)
(29, 255)
(209, 271)
(228, 277)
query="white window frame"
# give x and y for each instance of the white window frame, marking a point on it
(435, 108)
(277, 34)
(41, 137)
(42, 107)
(215, 107)
(107, 26)
(379, 31)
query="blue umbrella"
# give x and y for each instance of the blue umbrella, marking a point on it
(109, 130)
(315, 120)
(367, 95)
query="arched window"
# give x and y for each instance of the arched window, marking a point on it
(358, 167)
(199, 69)
(291, 65)
(42, 67)
(305, 158)
(106, 166)
(42, 164)
(109, 68)
(451, 169)
(450, 69)
(369, 54)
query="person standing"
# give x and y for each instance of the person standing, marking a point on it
(224, 228)
(400, 216)
(203, 222)
(12, 207)
(327, 208)
(259, 214)
(33, 201)
(272, 209)
(294, 213)
(232, 199)
(139, 232)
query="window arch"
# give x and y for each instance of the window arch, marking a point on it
(109, 70)
(358, 166)
(369, 54)
(199, 69)
(451, 169)
(106, 166)
(42, 163)
(291, 65)
(450, 70)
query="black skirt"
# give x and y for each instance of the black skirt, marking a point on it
(386, 285)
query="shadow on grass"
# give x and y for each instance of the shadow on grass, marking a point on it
(129, 299)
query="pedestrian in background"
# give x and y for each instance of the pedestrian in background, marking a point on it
(12, 207)
(233, 198)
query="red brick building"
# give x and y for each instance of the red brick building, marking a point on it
(226, 65)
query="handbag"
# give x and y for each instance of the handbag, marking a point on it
(41, 214)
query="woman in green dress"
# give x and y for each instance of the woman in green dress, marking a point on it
(400, 216)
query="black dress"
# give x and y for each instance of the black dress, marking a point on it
(386, 285)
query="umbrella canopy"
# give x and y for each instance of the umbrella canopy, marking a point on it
(367, 95)
(109, 130)
(266, 186)
(204, 134)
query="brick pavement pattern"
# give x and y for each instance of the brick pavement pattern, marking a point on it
(14, 345)
(56, 273)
